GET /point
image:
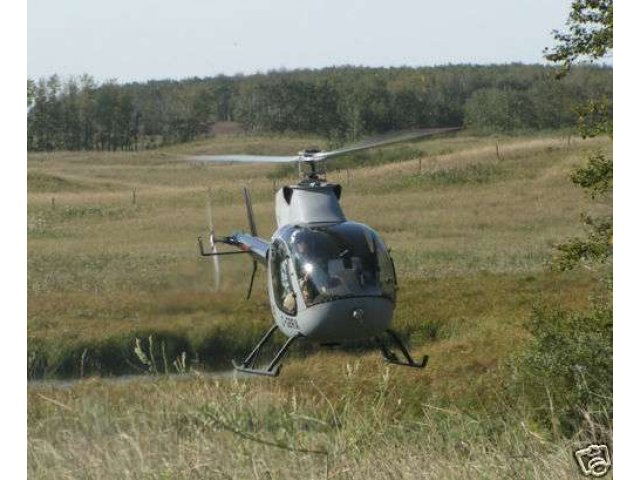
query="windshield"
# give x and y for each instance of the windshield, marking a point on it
(343, 260)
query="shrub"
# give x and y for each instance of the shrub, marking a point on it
(566, 373)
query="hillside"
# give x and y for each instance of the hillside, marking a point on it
(471, 222)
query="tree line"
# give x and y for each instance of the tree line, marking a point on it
(341, 103)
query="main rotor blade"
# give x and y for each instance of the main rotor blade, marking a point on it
(382, 140)
(378, 141)
(242, 158)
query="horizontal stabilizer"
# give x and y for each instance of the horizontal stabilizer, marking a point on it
(258, 247)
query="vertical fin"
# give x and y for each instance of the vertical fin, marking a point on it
(254, 232)
(250, 217)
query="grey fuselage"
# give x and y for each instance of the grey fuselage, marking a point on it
(330, 279)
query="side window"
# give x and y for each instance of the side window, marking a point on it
(281, 278)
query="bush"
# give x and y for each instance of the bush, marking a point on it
(566, 373)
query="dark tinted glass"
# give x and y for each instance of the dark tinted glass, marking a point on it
(338, 261)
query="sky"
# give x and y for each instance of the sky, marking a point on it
(138, 40)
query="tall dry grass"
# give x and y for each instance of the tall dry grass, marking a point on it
(207, 428)
(470, 234)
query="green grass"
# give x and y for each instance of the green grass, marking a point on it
(470, 232)
(102, 268)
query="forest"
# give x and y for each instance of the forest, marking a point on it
(338, 103)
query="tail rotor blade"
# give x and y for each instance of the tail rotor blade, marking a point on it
(215, 262)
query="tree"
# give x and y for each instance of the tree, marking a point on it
(31, 92)
(71, 128)
(339, 103)
(569, 362)
(499, 110)
(87, 106)
(590, 33)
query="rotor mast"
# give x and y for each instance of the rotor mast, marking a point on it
(314, 173)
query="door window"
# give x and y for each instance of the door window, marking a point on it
(281, 278)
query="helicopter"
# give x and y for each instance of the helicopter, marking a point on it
(330, 280)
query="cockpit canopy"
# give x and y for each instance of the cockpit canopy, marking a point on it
(341, 260)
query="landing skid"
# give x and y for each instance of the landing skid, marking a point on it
(391, 357)
(273, 369)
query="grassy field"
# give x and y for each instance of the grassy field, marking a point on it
(471, 227)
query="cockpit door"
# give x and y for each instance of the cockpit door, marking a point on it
(282, 278)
